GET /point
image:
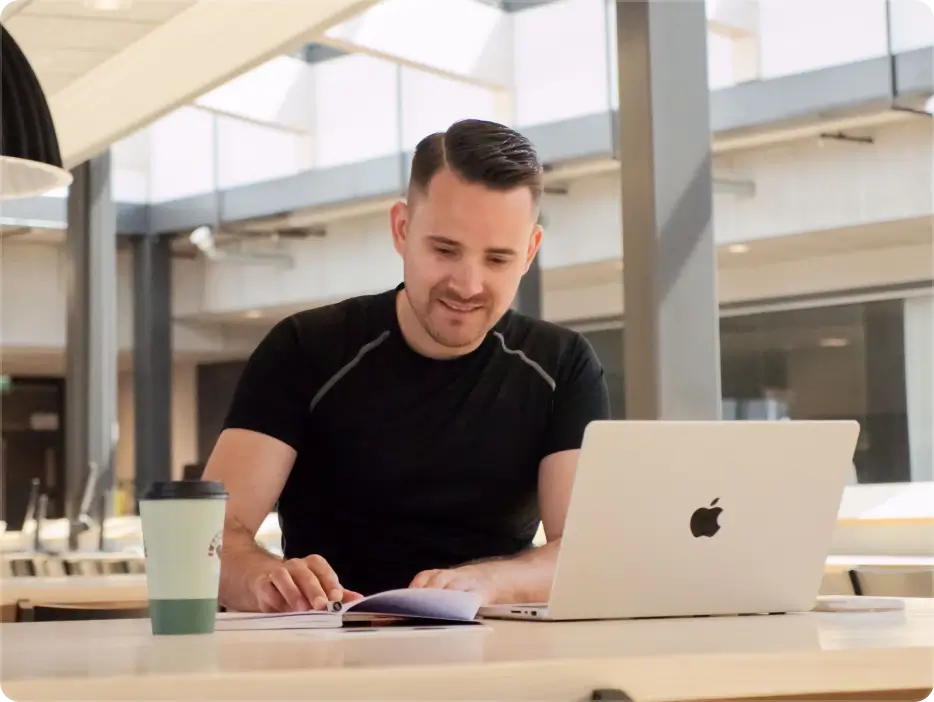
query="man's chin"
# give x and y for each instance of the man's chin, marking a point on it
(456, 339)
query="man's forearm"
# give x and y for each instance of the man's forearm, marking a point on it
(526, 577)
(242, 560)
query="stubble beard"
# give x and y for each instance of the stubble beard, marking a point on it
(455, 339)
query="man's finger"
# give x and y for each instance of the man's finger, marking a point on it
(282, 579)
(326, 577)
(350, 596)
(422, 579)
(308, 583)
(440, 579)
(269, 598)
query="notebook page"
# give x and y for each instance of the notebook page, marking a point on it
(432, 603)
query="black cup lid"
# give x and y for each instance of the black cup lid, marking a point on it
(186, 490)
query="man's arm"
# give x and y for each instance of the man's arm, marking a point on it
(235, 462)
(253, 458)
(527, 577)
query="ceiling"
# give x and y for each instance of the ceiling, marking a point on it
(110, 67)
(65, 39)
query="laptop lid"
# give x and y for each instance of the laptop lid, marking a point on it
(681, 518)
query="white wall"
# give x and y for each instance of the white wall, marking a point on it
(182, 153)
(562, 61)
(810, 275)
(345, 110)
(355, 257)
(807, 185)
(801, 187)
(798, 36)
(279, 92)
(184, 420)
(33, 305)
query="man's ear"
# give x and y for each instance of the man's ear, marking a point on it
(534, 243)
(399, 223)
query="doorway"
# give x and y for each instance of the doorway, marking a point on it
(32, 446)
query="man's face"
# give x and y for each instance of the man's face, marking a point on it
(464, 249)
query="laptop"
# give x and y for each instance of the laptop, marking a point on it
(693, 518)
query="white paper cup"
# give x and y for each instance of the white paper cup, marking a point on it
(183, 526)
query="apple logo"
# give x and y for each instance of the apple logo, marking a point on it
(704, 520)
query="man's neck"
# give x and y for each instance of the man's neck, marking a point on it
(420, 340)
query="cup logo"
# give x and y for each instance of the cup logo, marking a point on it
(214, 549)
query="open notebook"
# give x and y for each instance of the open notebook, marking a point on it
(449, 606)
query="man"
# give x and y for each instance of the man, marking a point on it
(415, 438)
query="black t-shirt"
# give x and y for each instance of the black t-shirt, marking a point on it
(406, 463)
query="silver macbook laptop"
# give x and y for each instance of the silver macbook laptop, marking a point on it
(681, 518)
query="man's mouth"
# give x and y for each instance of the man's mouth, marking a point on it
(460, 307)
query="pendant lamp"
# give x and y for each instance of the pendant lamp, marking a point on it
(30, 161)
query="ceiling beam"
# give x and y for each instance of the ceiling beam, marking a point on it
(200, 49)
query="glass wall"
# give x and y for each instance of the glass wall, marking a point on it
(844, 361)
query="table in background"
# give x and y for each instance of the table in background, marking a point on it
(75, 589)
(665, 659)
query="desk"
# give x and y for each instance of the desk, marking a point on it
(74, 589)
(883, 563)
(666, 659)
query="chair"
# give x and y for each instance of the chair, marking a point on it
(28, 611)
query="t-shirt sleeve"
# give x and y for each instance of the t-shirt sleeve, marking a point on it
(580, 397)
(271, 396)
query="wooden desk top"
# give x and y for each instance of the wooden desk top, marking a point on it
(674, 659)
(74, 589)
(907, 563)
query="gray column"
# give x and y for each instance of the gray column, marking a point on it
(672, 353)
(529, 298)
(919, 384)
(91, 335)
(152, 359)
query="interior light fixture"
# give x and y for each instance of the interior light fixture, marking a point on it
(108, 5)
(834, 342)
(30, 160)
(253, 314)
(738, 248)
(202, 238)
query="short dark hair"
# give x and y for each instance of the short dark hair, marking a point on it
(479, 151)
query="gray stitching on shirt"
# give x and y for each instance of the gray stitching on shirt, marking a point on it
(525, 359)
(334, 379)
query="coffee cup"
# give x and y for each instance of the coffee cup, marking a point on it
(183, 526)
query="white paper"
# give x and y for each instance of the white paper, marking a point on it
(432, 603)
(240, 621)
(428, 603)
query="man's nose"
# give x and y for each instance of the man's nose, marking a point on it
(467, 280)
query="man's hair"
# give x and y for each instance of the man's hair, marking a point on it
(481, 152)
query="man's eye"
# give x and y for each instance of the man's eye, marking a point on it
(445, 252)
(499, 261)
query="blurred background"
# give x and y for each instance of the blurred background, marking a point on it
(236, 183)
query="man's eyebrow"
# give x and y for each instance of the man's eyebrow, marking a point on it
(444, 241)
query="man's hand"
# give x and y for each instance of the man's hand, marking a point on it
(469, 578)
(527, 576)
(297, 585)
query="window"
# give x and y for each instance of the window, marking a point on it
(835, 362)
(839, 362)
